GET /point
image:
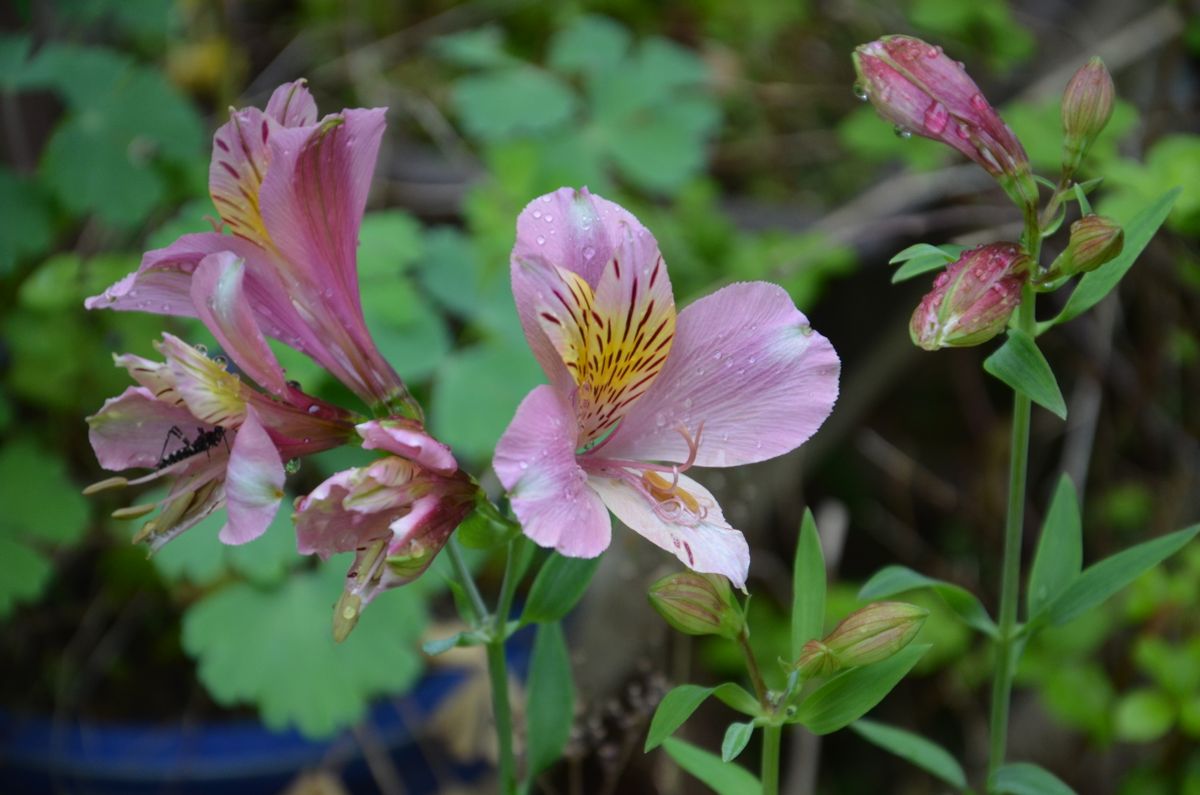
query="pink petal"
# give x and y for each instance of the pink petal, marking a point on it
(240, 157)
(212, 394)
(130, 430)
(253, 483)
(408, 439)
(354, 507)
(535, 460)
(576, 231)
(220, 298)
(292, 106)
(312, 200)
(709, 547)
(747, 365)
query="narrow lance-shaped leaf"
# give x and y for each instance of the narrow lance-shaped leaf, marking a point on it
(925, 754)
(848, 696)
(679, 704)
(723, 778)
(1059, 556)
(892, 580)
(550, 705)
(1023, 778)
(558, 586)
(808, 587)
(1020, 364)
(1093, 287)
(736, 737)
(1101, 580)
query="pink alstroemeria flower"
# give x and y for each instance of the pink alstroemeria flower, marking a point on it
(219, 440)
(395, 516)
(637, 395)
(292, 190)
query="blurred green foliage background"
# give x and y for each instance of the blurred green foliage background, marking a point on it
(731, 131)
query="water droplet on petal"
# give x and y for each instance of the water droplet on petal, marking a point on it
(902, 132)
(524, 465)
(201, 348)
(541, 241)
(292, 466)
(537, 213)
(979, 103)
(314, 408)
(588, 252)
(860, 91)
(546, 200)
(687, 403)
(933, 52)
(660, 419)
(549, 218)
(936, 117)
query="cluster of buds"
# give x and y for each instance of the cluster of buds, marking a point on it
(921, 90)
(866, 636)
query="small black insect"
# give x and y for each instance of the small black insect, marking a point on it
(205, 441)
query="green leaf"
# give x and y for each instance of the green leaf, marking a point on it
(1101, 580)
(736, 697)
(848, 696)
(892, 580)
(1023, 778)
(1020, 364)
(808, 587)
(558, 586)
(917, 266)
(736, 737)
(919, 251)
(1143, 715)
(589, 44)
(1094, 286)
(469, 418)
(1059, 556)
(551, 698)
(676, 707)
(273, 648)
(512, 101)
(480, 47)
(200, 558)
(723, 778)
(26, 224)
(925, 754)
(42, 510)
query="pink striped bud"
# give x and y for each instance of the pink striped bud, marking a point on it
(1087, 106)
(972, 299)
(866, 636)
(1094, 241)
(921, 90)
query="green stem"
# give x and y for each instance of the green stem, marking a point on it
(770, 759)
(760, 687)
(1011, 572)
(466, 580)
(498, 675)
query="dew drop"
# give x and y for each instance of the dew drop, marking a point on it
(700, 371)
(902, 132)
(687, 403)
(537, 213)
(292, 466)
(979, 103)
(753, 359)
(933, 52)
(314, 408)
(524, 465)
(549, 218)
(936, 117)
(546, 199)
(860, 91)
(660, 419)
(541, 241)
(588, 252)
(201, 348)
(717, 355)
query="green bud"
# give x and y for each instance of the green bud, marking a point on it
(866, 636)
(1087, 106)
(1094, 241)
(698, 604)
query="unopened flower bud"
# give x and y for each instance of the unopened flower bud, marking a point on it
(1094, 241)
(816, 659)
(1087, 106)
(873, 633)
(921, 90)
(972, 299)
(698, 604)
